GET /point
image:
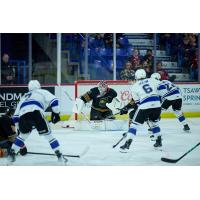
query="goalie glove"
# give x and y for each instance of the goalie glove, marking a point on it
(55, 117)
(78, 106)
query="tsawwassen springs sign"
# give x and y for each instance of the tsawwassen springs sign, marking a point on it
(191, 97)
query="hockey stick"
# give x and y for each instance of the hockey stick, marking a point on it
(122, 138)
(51, 154)
(84, 115)
(112, 115)
(168, 160)
(65, 155)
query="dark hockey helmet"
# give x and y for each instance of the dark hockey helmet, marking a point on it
(10, 111)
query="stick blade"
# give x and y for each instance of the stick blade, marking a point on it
(168, 160)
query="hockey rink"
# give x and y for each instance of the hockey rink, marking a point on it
(96, 147)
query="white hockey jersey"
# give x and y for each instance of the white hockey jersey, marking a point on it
(167, 90)
(144, 93)
(39, 99)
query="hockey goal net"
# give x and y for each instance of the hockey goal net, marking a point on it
(120, 86)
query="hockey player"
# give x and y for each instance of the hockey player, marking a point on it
(100, 96)
(146, 98)
(131, 105)
(30, 113)
(8, 133)
(171, 96)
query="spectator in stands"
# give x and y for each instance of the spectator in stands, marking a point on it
(194, 67)
(7, 71)
(98, 41)
(164, 75)
(147, 68)
(149, 58)
(127, 73)
(185, 53)
(135, 59)
(192, 39)
(175, 43)
(122, 41)
(108, 40)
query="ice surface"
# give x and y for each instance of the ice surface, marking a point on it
(100, 152)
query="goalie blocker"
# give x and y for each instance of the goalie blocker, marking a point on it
(101, 96)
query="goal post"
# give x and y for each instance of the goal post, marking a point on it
(122, 88)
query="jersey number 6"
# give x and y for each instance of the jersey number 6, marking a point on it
(147, 88)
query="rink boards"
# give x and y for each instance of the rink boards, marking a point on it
(9, 96)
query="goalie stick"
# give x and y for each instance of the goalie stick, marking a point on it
(112, 115)
(122, 138)
(168, 160)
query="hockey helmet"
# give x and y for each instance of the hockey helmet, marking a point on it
(156, 76)
(9, 111)
(33, 85)
(140, 74)
(102, 86)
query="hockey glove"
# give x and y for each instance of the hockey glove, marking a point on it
(23, 151)
(55, 117)
(123, 111)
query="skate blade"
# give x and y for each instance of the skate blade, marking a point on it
(158, 148)
(184, 131)
(123, 151)
(63, 160)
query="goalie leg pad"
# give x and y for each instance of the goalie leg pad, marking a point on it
(78, 105)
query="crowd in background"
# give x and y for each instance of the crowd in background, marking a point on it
(146, 62)
(181, 48)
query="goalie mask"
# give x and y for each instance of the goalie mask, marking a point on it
(33, 85)
(102, 86)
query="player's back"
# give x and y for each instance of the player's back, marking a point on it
(144, 92)
(168, 90)
(38, 99)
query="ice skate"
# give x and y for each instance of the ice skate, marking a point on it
(186, 128)
(12, 156)
(158, 143)
(60, 157)
(152, 137)
(124, 148)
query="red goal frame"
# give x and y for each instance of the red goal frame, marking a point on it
(94, 82)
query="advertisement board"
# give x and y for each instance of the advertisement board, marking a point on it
(10, 95)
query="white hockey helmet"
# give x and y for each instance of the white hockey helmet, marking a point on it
(156, 76)
(140, 74)
(33, 85)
